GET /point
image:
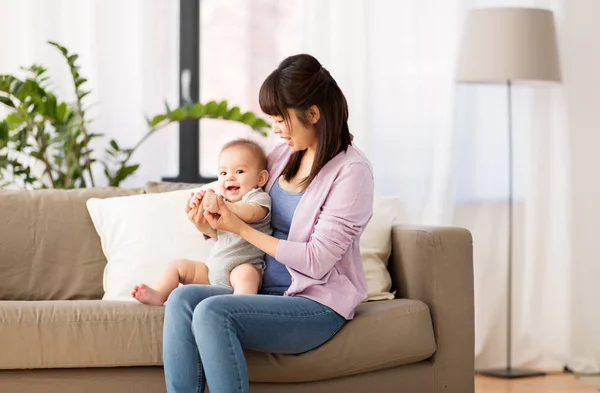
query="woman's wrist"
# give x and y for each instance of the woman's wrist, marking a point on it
(243, 229)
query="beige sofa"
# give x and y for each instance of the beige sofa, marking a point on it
(56, 335)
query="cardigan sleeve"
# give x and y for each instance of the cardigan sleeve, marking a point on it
(346, 211)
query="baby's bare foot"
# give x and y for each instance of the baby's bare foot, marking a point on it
(144, 294)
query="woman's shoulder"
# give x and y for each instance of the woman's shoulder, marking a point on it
(355, 155)
(345, 171)
(353, 162)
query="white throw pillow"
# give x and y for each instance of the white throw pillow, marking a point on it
(376, 248)
(140, 235)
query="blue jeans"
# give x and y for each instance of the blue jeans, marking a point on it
(205, 330)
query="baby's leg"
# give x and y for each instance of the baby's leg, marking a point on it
(178, 271)
(245, 279)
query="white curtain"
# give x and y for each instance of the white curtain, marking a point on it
(581, 60)
(394, 60)
(129, 51)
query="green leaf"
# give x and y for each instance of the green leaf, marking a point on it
(114, 145)
(83, 94)
(211, 108)
(80, 81)
(259, 123)
(61, 111)
(37, 154)
(70, 117)
(13, 120)
(156, 120)
(7, 101)
(3, 134)
(234, 114)
(248, 118)
(73, 58)
(23, 137)
(122, 174)
(129, 170)
(221, 109)
(167, 108)
(51, 106)
(197, 111)
(61, 48)
(178, 114)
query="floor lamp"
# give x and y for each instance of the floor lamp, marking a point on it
(507, 46)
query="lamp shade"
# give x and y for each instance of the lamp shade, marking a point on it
(509, 44)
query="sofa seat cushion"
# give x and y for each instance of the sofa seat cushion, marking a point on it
(79, 333)
(64, 334)
(382, 334)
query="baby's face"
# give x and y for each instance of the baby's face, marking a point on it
(239, 172)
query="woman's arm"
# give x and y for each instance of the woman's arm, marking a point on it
(259, 239)
(248, 212)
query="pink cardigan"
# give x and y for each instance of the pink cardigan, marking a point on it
(322, 252)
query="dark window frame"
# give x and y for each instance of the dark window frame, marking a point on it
(189, 65)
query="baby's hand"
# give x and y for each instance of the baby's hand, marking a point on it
(209, 202)
(196, 199)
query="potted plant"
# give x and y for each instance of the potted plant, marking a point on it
(45, 142)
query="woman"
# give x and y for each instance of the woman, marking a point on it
(322, 199)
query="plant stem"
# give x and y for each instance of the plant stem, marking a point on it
(88, 160)
(68, 171)
(44, 160)
(152, 131)
(48, 170)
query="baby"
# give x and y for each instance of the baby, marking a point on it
(232, 262)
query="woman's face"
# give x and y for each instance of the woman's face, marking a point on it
(297, 135)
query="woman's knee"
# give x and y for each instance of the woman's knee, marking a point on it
(181, 296)
(211, 313)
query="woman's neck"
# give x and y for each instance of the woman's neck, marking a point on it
(310, 153)
(308, 158)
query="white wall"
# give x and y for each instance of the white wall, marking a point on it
(581, 71)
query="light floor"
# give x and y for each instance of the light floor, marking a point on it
(557, 383)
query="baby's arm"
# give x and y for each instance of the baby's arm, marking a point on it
(248, 212)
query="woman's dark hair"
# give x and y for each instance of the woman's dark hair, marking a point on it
(298, 83)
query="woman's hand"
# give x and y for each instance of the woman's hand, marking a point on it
(224, 219)
(194, 211)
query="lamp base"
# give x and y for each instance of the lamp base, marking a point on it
(511, 373)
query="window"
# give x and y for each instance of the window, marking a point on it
(241, 43)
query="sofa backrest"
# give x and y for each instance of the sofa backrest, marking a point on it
(49, 249)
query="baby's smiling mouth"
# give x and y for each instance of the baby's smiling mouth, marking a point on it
(232, 188)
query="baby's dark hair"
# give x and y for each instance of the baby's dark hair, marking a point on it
(250, 144)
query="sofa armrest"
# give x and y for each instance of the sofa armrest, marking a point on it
(435, 265)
